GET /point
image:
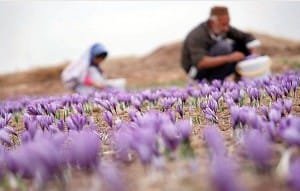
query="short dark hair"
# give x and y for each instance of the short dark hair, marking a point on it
(219, 11)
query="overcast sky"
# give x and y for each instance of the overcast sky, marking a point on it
(44, 33)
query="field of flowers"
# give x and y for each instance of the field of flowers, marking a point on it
(222, 136)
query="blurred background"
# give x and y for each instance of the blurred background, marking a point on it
(138, 35)
(44, 33)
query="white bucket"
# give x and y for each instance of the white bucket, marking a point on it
(119, 83)
(254, 67)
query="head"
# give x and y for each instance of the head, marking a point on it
(98, 59)
(98, 54)
(219, 20)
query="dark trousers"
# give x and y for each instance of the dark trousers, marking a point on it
(222, 47)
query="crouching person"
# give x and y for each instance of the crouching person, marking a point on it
(85, 74)
(212, 49)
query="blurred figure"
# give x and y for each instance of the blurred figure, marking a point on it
(212, 49)
(85, 75)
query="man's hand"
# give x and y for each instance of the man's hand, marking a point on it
(236, 56)
(255, 51)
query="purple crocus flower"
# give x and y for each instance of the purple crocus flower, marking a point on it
(113, 102)
(210, 114)
(53, 128)
(104, 104)
(274, 92)
(217, 83)
(203, 105)
(278, 105)
(235, 94)
(170, 135)
(5, 137)
(25, 137)
(124, 97)
(205, 90)
(34, 110)
(216, 95)
(254, 94)
(223, 174)
(145, 144)
(83, 149)
(295, 85)
(291, 135)
(229, 101)
(76, 122)
(290, 130)
(60, 125)
(167, 103)
(42, 163)
(258, 148)
(122, 140)
(152, 120)
(214, 140)
(2, 123)
(172, 115)
(79, 108)
(46, 157)
(6, 117)
(30, 124)
(133, 114)
(44, 121)
(179, 110)
(212, 104)
(287, 104)
(274, 115)
(145, 153)
(108, 117)
(183, 96)
(10, 130)
(265, 112)
(20, 163)
(184, 128)
(50, 108)
(136, 103)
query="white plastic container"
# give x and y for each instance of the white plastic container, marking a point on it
(119, 83)
(254, 67)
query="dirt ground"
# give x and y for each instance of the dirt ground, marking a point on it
(158, 68)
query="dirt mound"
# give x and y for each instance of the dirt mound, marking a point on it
(277, 46)
(160, 67)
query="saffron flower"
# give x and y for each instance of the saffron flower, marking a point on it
(258, 148)
(108, 118)
(214, 140)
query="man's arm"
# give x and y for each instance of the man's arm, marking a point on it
(200, 58)
(248, 39)
(211, 62)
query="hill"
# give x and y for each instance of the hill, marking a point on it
(160, 67)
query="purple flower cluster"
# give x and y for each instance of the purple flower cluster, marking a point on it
(47, 155)
(209, 108)
(149, 136)
(258, 148)
(41, 137)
